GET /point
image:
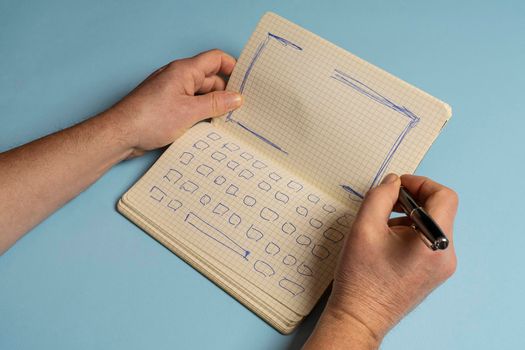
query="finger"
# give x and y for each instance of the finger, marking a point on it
(213, 83)
(214, 104)
(408, 235)
(214, 62)
(379, 202)
(439, 201)
(398, 208)
(421, 187)
(401, 221)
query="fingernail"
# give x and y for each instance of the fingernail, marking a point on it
(389, 178)
(232, 100)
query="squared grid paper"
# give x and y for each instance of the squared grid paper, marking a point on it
(243, 271)
(307, 126)
(333, 135)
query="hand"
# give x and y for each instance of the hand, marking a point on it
(153, 115)
(385, 269)
(173, 99)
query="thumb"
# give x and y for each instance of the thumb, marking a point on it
(379, 202)
(214, 104)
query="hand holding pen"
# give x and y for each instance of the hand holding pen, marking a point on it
(384, 269)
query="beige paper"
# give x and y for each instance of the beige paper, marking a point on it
(261, 199)
(326, 114)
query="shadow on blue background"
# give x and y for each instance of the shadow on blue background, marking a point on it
(88, 278)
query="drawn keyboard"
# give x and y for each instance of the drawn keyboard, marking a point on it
(270, 227)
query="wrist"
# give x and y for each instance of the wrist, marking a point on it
(121, 129)
(339, 329)
(352, 323)
(366, 304)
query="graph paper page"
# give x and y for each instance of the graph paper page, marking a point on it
(255, 222)
(327, 115)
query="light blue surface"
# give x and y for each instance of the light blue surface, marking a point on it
(89, 279)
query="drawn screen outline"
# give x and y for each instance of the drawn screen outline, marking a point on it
(349, 81)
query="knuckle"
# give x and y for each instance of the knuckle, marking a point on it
(205, 55)
(216, 51)
(454, 197)
(451, 196)
(425, 179)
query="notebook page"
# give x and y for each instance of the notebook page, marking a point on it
(256, 223)
(324, 113)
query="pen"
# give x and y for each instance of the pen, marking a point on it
(431, 233)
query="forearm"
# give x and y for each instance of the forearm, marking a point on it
(41, 176)
(337, 330)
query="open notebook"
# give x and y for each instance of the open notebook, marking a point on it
(260, 200)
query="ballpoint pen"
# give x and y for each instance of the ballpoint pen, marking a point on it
(431, 233)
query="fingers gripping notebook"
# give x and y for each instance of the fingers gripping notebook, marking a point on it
(260, 200)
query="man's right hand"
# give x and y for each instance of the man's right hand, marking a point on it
(385, 270)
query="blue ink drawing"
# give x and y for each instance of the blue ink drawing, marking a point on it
(256, 56)
(367, 91)
(215, 234)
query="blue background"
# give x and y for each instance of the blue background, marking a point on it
(87, 278)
